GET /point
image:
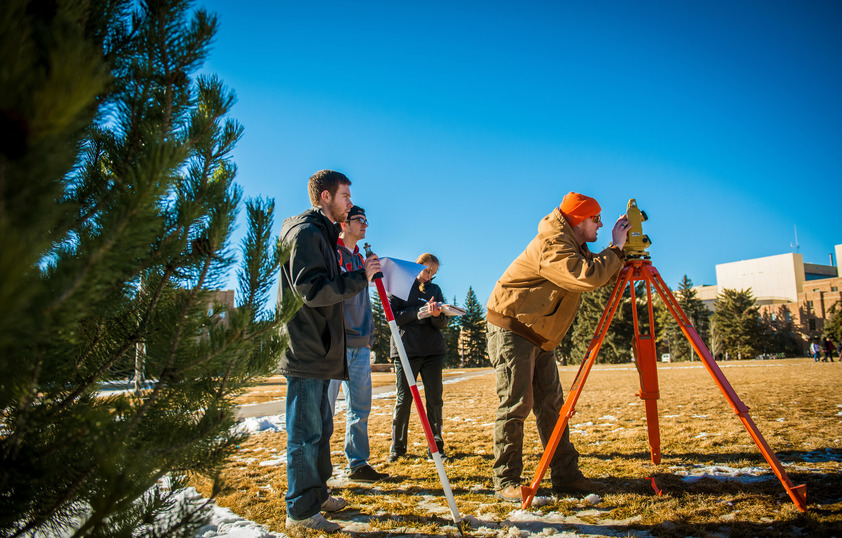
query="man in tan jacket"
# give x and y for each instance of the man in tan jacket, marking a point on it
(530, 310)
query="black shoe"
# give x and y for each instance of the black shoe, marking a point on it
(366, 474)
(393, 457)
(444, 458)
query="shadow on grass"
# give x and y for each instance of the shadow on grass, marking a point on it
(812, 456)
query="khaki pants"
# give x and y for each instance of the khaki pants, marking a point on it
(527, 380)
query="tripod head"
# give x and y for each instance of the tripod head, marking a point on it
(636, 241)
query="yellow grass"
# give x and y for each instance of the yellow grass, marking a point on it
(796, 404)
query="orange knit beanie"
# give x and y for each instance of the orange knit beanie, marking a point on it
(577, 207)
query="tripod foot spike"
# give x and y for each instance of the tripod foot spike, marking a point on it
(798, 494)
(527, 494)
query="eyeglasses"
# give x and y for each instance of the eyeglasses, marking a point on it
(597, 219)
(361, 220)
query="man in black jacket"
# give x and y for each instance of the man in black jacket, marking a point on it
(316, 352)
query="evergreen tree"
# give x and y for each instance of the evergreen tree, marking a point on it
(695, 311)
(715, 342)
(618, 344)
(833, 326)
(564, 351)
(117, 204)
(670, 337)
(780, 333)
(737, 321)
(451, 340)
(475, 346)
(382, 333)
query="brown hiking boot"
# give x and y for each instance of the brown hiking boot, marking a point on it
(511, 494)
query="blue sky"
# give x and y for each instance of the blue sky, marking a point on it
(461, 124)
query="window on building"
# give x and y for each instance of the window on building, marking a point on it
(810, 305)
(788, 315)
(774, 316)
(834, 288)
(812, 324)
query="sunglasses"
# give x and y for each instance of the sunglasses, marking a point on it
(597, 219)
(361, 220)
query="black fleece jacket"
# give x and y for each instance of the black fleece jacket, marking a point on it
(421, 337)
(317, 331)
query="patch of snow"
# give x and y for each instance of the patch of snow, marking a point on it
(224, 522)
(745, 475)
(593, 499)
(280, 461)
(272, 423)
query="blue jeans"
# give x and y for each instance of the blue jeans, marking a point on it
(357, 392)
(309, 425)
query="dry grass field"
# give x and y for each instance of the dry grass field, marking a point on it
(714, 480)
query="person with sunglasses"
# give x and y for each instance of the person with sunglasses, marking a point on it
(530, 310)
(421, 320)
(359, 337)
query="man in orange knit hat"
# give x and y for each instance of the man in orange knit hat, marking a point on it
(530, 310)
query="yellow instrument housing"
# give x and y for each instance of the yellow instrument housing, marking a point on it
(636, 241)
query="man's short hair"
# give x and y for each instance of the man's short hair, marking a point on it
(325, 180)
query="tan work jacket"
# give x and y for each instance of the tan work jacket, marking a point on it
(538, 295)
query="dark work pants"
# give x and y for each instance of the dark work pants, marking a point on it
(527, 380)
(430, 368)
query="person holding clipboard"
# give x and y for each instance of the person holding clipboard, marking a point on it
(421, 320)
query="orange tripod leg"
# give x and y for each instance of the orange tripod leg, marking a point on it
(567, 410)
(798, 494)
(646, 362)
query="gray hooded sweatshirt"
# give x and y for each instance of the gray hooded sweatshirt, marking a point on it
(359, 319)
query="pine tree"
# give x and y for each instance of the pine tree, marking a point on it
(565, 349)
(451, 340)
(618, 344)
(833, 327)
(779, 333)
(737, 321)
(117, 205)
(694, 309)
(382, 333)
(475, 346)
(670, 337)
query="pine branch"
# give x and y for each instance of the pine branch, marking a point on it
(66, 496)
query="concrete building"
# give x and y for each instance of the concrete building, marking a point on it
(783, 285)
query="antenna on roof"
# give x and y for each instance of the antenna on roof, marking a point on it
(795, 245)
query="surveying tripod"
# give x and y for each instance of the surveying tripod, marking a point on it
(636, 270)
